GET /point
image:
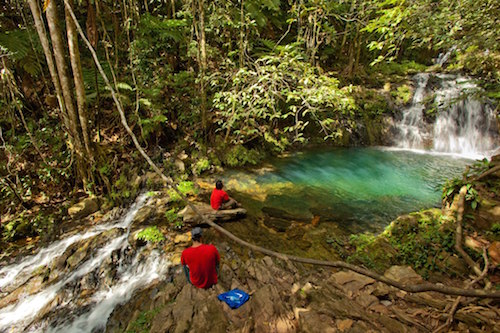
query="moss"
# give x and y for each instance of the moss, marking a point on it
(142, 323)
(151, 234)
(403, 68)
(418, 239)
(372, 251)
(402, 95)
(201, 166)
(370, 102)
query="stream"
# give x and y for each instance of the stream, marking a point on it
(82, 299)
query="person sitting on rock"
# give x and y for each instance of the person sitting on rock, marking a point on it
(220, 200)
(200, 262)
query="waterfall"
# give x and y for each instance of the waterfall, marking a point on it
(57, 306)
(443, 57)
(412, 123)
(463, 125)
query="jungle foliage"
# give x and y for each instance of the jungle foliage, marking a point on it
(225, 81)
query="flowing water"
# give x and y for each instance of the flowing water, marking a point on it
(58, 307)
(358, 188)
(463, 124)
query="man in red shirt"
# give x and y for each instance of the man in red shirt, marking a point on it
(219, 199)
(200, 262)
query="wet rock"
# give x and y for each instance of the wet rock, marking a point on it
(278, 213)
(278, 225)
(487, 214)
(144, 215)
(84, 208)
(134, 241)
(81, 253)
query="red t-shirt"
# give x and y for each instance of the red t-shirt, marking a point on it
(201, 261)
(217, 198)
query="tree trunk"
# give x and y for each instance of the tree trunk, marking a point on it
(59, 52)
(172, 4)
(203, 66)
(42, 34)
(78, 79)
(242, 36)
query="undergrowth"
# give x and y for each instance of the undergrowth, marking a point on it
(421, 240)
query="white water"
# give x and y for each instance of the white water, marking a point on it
(23, 314)
(413, 121)
(464, 126)
(443, 57)
(141, 272)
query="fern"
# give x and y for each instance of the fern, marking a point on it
(162, 29)
(89, 80)
(18, 45)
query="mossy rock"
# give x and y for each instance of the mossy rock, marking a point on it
(378, 254)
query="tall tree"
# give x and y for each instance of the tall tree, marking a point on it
(203, 63)
(78, 78)
(42, 34)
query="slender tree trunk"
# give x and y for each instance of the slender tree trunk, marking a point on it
(242, 36)
(299, 20)
(203, 65)
(347, 27)
(116, 30)
(42, 34)
(76, 66)
(59, 52)
(172, 4)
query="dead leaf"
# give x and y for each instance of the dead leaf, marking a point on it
(45, 5)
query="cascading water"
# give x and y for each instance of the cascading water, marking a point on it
(463, 124)
(58, 306)
(412, 123)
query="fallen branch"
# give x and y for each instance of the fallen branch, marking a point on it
(487, 173)
(337, 264)
(459, 231)
(454, 307)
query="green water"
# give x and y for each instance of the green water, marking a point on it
(358, 188)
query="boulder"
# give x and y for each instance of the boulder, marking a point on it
(494, 253)
(190, 217)
(182, 238)
(403, 274)
(352, 281)
(84, 208)
(144, 216)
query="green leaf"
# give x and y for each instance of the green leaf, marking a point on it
(124, 86)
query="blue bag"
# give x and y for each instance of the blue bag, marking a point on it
(234, 298)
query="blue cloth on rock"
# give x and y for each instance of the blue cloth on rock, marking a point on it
(234, 298)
